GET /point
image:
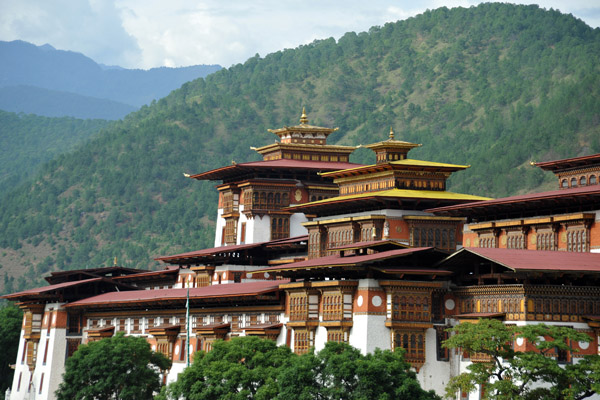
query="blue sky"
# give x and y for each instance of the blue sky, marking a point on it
(154, 33)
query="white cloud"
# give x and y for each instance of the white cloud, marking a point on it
(151, 33)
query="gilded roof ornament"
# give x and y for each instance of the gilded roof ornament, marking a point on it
(391, 133)
(303, 118)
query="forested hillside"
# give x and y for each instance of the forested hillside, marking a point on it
(29, 141)
(494, 86)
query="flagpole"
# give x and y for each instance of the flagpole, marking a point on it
(187, 329)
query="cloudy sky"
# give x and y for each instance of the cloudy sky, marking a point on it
(154, 33)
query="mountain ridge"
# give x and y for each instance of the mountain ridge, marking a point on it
(493, 86)
(67, 71)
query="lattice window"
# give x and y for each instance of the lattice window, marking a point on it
(411, 307)
(333, 306)
(298, 307)
(413, 342)
(302, 341)
(337, 335)
(515, 241)
(280, 227)
(577, 240)
(230, 231)
(546, 241)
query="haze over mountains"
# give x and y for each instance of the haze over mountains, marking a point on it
(49, 82)
(494, 86)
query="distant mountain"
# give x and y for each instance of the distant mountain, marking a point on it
(26, 65)
(494, 86)
(52, 103)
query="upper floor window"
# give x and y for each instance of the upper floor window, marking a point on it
(593, 180)
(564, 183)
(573, 182)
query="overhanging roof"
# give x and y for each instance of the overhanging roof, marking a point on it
(407, 164)
(397, 198)
(271, 165)
(572, 199)
(530, 260)
(337, 261)
(179, 296)
(569, 163)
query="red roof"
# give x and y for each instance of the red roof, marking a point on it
(336, 260)
(49, 288)
(582, 193)
(569, 162)
(214, 291)
(370, 243)
(219, 173)
(230, 249)
(535, 260)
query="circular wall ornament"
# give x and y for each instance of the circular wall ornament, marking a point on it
(468, 243)
(563, 237)
(533, 238)
(520, 341)
(583, 345)
(267, 275)
(503, 240)
(359, 301)
(450, 304)
(298, 195)
(376, 301)
(249, 274)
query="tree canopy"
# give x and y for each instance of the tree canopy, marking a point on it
(528, 375)
(11, 319)
(254, 368)
(120, 367)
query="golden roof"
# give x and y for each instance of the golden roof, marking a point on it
(401, 194)
(392, 143)
(407, 162)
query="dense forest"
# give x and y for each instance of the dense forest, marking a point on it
(29, 141)
(494, 86)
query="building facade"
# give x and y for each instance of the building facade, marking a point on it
(310, 248)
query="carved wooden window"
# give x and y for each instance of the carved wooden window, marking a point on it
(280, 227)
(336, 335)
(301, 341)
(546, 240)
(333, 306)
(515, 240)
(298, 307)
(230, 231)
(593, 180)
(228, 204)
(136, 326)
(577, 240)
(413, 342)
(411, 307)
(573, 182)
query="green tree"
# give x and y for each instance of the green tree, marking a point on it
(120, 367)
(11, 319)
(242, 368)
(341, 372)
(529, 375)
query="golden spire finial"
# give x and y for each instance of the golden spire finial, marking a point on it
(303, 118)
(115, 262)
(391, 133)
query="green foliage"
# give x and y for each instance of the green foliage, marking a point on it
(120, 367)
(253, 368)
(11, 319)
(243, 368)
(340, 371)
(518, 375)
(29, 141)
(494, 86)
